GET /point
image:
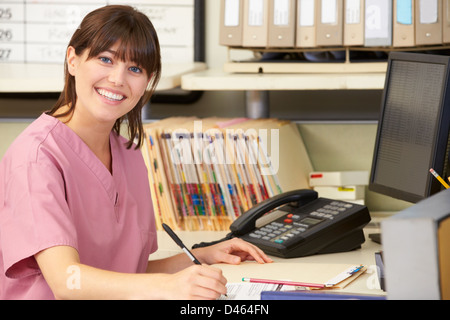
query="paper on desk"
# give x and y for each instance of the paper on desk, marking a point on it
(319, 273)
(345, 277)
(251, 291)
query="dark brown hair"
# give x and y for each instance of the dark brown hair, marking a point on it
(99, 31)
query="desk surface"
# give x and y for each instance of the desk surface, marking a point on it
(365, 284)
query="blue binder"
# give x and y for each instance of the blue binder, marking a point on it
(316, 295)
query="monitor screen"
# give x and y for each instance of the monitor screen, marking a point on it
(413, 130)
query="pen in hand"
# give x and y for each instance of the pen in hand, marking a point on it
(180, 243)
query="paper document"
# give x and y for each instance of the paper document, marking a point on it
(251, 291)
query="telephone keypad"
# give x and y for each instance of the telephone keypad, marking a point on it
(293, 225)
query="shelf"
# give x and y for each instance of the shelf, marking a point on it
(40, 78)
(306, 67)
(258, 85)
(220, 80)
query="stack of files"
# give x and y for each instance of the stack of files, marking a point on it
(334, 23)
(258, 23)
(332, 276)
(204, 173)
(341, 185)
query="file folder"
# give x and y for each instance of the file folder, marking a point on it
(378, 23)
(404, 21)
(256, 23)
(428, 22)
(282, 23)
(330, 23)
(204, 173)
(446, 21)
(354, 23)
(306, 24)
(231, 21)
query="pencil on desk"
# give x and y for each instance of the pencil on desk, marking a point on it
(283, 282)
(434, 173)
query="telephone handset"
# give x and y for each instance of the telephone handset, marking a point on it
(305, 225)
(247, 222)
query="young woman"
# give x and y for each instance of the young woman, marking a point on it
(76, 218)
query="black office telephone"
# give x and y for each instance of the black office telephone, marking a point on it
(304, 226)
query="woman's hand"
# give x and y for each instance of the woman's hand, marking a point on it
(194, 283)
(232, 251)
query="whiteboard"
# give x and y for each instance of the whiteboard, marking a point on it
(38, 31)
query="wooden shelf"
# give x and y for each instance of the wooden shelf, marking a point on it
(38, 78)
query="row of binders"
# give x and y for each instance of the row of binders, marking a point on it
(204, 173)
(325, 23)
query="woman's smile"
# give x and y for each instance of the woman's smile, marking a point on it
(109, 95)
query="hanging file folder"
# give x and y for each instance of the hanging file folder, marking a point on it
(306, 24)
(428, 22)
(231, 21)
(330, 23)
(256, 19)
(282, 23)
(354, 23)
(404, 20)
(204, 173)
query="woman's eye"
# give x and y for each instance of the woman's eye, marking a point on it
(136, 69)
(105, 59)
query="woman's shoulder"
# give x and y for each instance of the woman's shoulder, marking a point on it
(25, 147)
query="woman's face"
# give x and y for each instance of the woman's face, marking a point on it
(107, 87)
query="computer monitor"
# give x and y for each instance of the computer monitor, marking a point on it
(413, 129)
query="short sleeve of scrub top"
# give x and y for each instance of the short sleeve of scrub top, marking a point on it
(54, 191)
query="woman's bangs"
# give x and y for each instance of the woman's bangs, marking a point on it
(133, 46)
(136, 48)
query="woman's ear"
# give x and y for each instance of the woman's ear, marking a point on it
(71, 58)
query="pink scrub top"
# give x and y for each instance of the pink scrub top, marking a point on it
(55, 192)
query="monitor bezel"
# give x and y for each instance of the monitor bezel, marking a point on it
(441, 131)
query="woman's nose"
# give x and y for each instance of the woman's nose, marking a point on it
(117, 76)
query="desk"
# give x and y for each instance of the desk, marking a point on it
(367, 283)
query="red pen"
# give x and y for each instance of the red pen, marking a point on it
(287, 283)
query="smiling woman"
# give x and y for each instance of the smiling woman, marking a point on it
(112, 35)
(76, 214)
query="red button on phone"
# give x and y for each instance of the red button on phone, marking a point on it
(287, 220)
